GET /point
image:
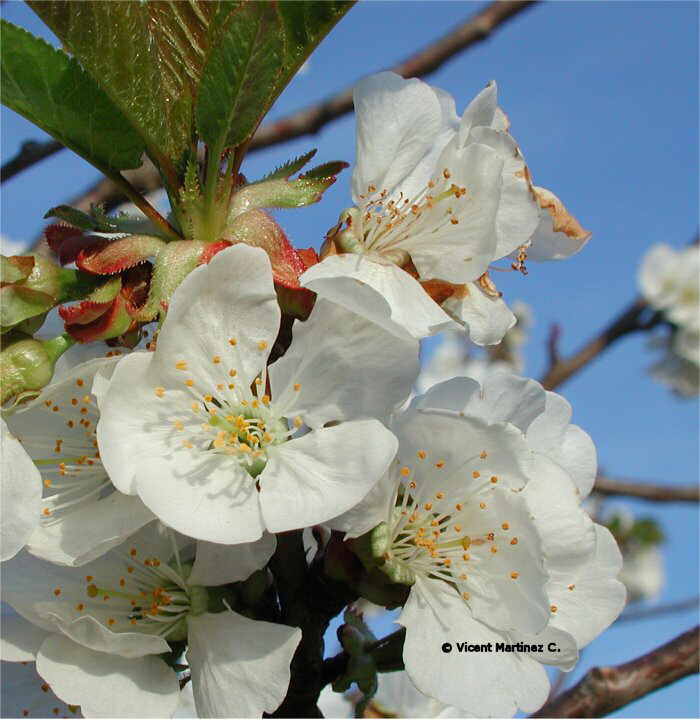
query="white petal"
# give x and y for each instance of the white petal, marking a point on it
(240, 667)
(105, 685)
(20, 639)
(398, 122)
(91, 530)
(480, 112)
(596, 598)
(26, 694)
(559, 234)
(504, 397)
(310, 480)
(368, 512)
(20, 483)
(342, 366)
(484, 684)
(559, 648)
(518, 213)
(232, 297)
(566, 444)
(461, 252)
(397, 695)
(217, 564)
(486, 318)
(384, 294)
(208, 497)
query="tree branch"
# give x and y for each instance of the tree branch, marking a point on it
(605, 689)
(609, 486)
(635, 615)
(632, 319)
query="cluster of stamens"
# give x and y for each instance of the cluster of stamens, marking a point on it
(383, 224)
(70, 465)
(428, 527)
(230, 417)
(151, 597)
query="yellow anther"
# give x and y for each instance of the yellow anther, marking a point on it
(405, 471)
(181, 364)
(494, 479)
(47, 483)
(57, 591)
(427, 506)
(298, 421)
(262, 345)
(233, 342)
(494, 549)
(265, 399)
(514, 541)
(232, 386)
(466, 595)
(195, 406)
(466, 557)
(458, 527)
(421, 454)
(553, 608)
(221, 387)
(459, 506)
(187, 444)
(179, 426)
(483, 454)
(297, 386)
(505, 526)
(476, 474)
(482, 505)
(439, 495)
(91, 591)
(189, 382)
(446, 174)
(216, 359)
(79, 607)
(571, 587)
(440, 464)
(159, 391)
(514, 575)
(454, 220)
(258, 381)
(412, 484)
(232, 373)
(111, 622)
(463, 577)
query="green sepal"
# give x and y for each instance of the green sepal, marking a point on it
(290, 167)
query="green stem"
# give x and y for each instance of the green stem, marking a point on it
(140, 201)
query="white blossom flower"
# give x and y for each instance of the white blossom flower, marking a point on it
(679, 365)
(74, 512)
(669, 280)
(480, 514)
(96, 631)
(437, 200)
(215, 443)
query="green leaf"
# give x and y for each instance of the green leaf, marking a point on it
(259, 50)
(290, 167)
(240, 75)
(79, 219)
(51, 90)
(147, 56)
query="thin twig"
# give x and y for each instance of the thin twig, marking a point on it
(605, 689)
(661, 610)
(645, 490)
(632, 319)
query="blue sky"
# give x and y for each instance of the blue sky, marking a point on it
(603, 99)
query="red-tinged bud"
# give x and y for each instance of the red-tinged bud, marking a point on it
(26, 364)
(65, 241)
(308, 256)
(30, 286)
(111, 256)
(258, 229)
(212, 249)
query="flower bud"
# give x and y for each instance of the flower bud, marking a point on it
(27, 364)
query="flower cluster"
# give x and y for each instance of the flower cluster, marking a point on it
(669, 280)
(148, 499)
